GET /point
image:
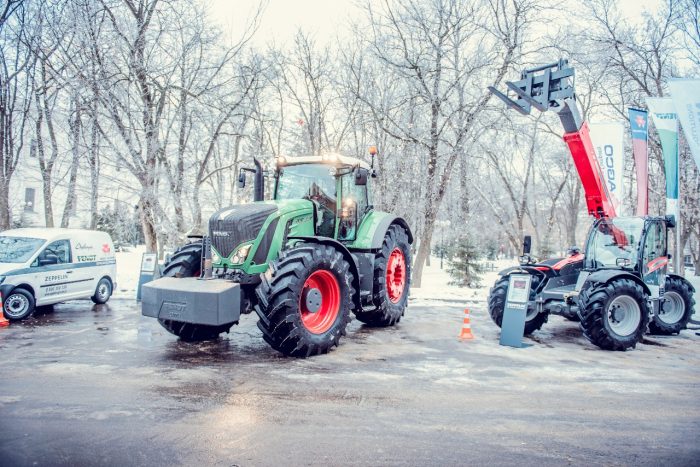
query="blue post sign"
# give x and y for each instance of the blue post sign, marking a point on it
(513, 323)
(149, 271)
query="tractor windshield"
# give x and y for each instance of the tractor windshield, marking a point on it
(315, 183)
(614, 242)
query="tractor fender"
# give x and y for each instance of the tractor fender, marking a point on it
(384, 224)
(346, 255)
(603, 276)
(681, 278)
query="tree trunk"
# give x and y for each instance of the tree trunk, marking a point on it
(148, 225)
(69, 207)
(94, 160)
(5, 216)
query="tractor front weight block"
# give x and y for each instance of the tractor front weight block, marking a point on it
(192, 300)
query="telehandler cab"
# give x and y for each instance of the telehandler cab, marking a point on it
(619, 287)
(302, 261)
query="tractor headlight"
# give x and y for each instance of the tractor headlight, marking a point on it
(242, 253)
(215, 258)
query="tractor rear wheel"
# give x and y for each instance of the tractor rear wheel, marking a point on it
(614, 315)
(304, 300)
(187, 262)
(497, 304)
(676, 308)
(392, 279)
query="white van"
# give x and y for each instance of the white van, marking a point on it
(46, 266)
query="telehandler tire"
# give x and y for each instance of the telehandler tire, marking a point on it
(676, 309)
(392, 279)
(497, 304)
(187, 262)
(304, 300)
(614, 315)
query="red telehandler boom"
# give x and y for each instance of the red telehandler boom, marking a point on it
(620, 286)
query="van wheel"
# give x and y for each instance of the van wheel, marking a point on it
(102, 292)
(18, 305)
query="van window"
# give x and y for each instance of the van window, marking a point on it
(18, 249)
(60, 248)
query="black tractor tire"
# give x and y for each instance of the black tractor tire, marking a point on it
(497, 304)
(18, 305)
(678, 299)
(187, 262)
(595, 309)
(285, 321)
(390, 303)
(103, 291)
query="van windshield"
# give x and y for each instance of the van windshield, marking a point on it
(18, 249)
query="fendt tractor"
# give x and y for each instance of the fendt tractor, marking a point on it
(302, 261)
(619, 288)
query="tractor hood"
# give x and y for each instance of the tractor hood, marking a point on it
(237, 224)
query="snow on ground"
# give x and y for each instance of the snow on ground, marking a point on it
(435, 290)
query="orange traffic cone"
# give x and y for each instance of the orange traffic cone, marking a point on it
(466, 327)
(3, 321)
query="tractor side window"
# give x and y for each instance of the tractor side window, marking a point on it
(353, 206)
(654, 247)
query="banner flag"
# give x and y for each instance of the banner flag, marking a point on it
(608, 141)
(638, 125)
(665, 119)
(686, 97)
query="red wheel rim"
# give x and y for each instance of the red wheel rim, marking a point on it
(396, 275)
(319, 302)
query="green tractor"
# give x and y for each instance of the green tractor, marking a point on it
(302, 261)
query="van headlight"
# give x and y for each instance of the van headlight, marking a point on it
(241, 254)
(2, 279)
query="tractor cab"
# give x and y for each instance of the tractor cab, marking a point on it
(336, 185)
(634, 244)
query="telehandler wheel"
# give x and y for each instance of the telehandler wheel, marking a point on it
(676, 309)
(392, 279)
(497, 303)
(614, 315)
(187, 262)
(304, 300)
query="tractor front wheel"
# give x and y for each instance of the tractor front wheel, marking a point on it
(392, 279)
(676, 308)
(614, 315)
(497, 304)
(187, 262)
(304, 300)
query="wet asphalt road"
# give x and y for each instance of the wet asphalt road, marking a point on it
(101, 385)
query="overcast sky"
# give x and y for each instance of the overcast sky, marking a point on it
(325, 19)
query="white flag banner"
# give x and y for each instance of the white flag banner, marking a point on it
(608, 141)
(686, 98)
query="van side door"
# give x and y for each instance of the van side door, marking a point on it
(54, 273)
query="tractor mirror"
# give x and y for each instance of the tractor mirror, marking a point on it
(241, 179)
(361, 177)
(527, 244)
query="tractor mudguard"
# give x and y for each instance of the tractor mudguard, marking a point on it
(346, 255)
(192, 300)
(681, 278)
(373, 228)
(606, 275)
(384, 224)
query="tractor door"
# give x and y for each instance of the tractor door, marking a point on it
(654, 256)
(353, 205)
